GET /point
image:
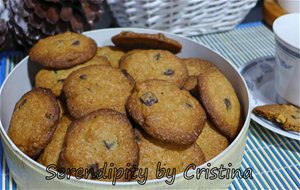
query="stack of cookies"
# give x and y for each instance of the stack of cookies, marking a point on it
(132, 105)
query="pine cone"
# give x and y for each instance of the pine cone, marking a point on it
(31, 20)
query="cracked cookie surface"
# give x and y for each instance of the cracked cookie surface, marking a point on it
(54, 79)
(34, 121)
(144, 65)
(63, 50)
(103, 136)
(166, 112)
(220, 101)
(96, 87)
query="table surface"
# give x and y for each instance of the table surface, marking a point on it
(274, 159)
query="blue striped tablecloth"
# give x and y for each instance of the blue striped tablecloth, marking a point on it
(274, 159)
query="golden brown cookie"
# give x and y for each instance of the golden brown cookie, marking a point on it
(51, 153)
(211, 141)
(34, 121)
(54, 79)
(113, 54)
(165, 112)
(103, 136)
(144, 65)
(220, 101)
(63, 50)
(195, 67)
(286, 115)
(95, 87)
(153, 152)
(131, 40)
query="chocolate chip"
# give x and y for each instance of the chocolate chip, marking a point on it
(124, 72)
(22, 103)
(157, 56)
(169, 72)
(188, 105)
(83, 77)
(227, 103)
(148, 98)
(61, 80)
(76, 43)
(48, 115)
(108, 144)
(93, 168)
(137, 138)
(55, 72)
(294, 117)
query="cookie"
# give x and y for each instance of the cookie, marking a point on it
(99, 138)
(113, 54)
(51, 153)
(54, 79)
(286, 115)
(144, 65)
(63, 50)
(131, 40)
(195, 67)
(95, 87)
(34, 121)
(165, 112)
(211, 141)
(153, 152)
(220, 101)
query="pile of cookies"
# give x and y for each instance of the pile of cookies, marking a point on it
(132, 105)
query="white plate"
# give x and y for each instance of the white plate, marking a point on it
(259, 77)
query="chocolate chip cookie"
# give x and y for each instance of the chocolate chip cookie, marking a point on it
(195, 67)
(166, 112)
(144, 65)
(113, 54)
(103, 136)
(51, 153)
(131, 40)
(54, 79)
(286, 115)
(63, 50)
(220, 101)
(153, 153)
(211, 141)
(34, 121)
(95, 87)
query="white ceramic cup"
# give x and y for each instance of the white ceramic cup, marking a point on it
(287, 68)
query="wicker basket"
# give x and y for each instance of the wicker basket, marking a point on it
(186, 17)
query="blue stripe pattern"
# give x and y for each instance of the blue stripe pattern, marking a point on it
(274, 159)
